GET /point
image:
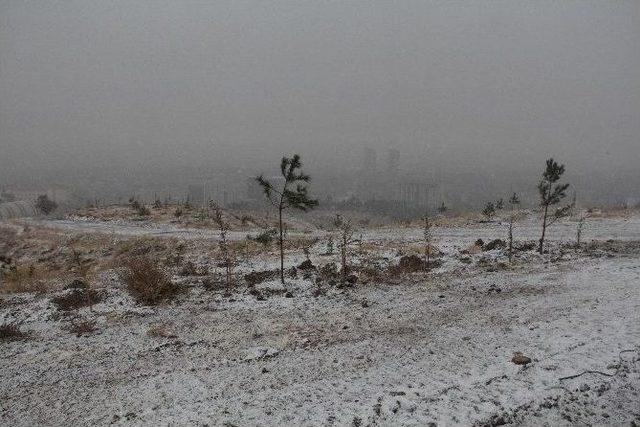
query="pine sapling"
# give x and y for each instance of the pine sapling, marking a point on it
(223, 244)
(292, 194)
(551, 193)
(489, 211)
(513, 202)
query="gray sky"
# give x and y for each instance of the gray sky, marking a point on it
(156, 83)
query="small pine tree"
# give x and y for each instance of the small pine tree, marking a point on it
(443, 208)
(513, 202)
(287, 197)
(489, 210)
(223, 244)
(551, 193)
(329, 250)
(500, 204)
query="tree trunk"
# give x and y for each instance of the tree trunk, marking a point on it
(511, 237)
(281, 245)
(544, 228)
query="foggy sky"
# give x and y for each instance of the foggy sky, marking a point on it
(133, 85)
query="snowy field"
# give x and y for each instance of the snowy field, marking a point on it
(415, 350)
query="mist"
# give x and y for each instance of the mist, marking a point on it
(106, 99)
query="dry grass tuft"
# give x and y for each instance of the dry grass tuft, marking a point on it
(11, 332)
(146, 282)
(83, 327)
(78, 298)
(159, 331)
(26, 278)
(256, 277)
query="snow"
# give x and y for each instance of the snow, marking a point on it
(420, 351)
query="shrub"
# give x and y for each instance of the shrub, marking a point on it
(265, 238)
(23, 278)
(144, 211)
(256, 277)
(76, 298)
(45, 205)
(246, 219)
(11, 332)
(83, 327)
(146, 282)
(160, 331)
(413, 264)
(140, 208)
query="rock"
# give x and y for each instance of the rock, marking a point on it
(479, 242)
(289, 294)
(352, 279)
(520, 359)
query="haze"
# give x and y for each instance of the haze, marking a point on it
(152, 94)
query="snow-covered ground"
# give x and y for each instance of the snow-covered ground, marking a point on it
(434, 351)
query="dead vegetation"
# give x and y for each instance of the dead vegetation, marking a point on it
(82, 327)
(78, 295)
(160, 330)
(27, 278)
(147, 282)
(11, 332)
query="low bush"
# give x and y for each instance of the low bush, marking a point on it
(146, 282)
(265, 238)
(24, 278)
(83, 327)
(256, 277)
(11, 332)
(75, 298)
